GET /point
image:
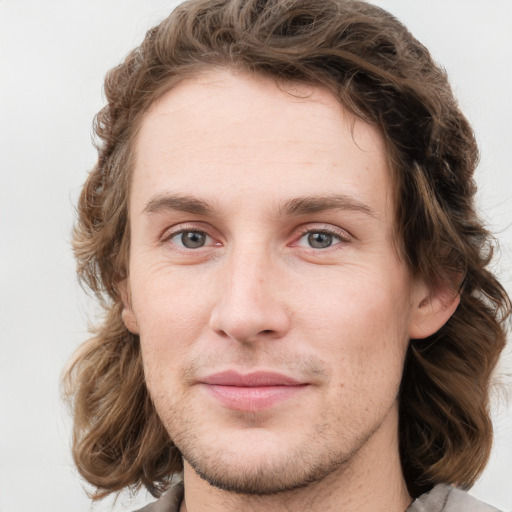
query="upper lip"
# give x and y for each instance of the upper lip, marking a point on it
(254, 379)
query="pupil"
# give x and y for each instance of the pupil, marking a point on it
(319, 240)
(192, 239)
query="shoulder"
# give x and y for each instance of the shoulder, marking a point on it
(169, 502)
(444, 498)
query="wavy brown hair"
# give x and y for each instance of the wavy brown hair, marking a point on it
(379, 72)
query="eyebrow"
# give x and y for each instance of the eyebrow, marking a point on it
(315, 204)
(186, 204)
(293, 207)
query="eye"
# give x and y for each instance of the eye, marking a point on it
(190, 239)
(321, 238)
(318, 240)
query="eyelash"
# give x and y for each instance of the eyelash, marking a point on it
(340, 236)
(169, 235)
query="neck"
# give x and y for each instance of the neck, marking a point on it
(371, 481)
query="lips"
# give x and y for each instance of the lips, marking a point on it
(251, 392)
(256, 379)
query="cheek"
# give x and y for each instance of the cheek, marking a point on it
(171, 315)
(374, 302)
(168, 299)
(363, 325)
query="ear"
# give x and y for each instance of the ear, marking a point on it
(432, 308)
(128, 316)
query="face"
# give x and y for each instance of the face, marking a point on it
(272, 308)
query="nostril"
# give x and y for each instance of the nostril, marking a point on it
(246, 322)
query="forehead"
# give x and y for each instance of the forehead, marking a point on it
(222, 131)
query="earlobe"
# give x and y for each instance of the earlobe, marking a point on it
(432, 311)
(129, 319)
(127, 315)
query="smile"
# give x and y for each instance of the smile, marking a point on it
(252, 392)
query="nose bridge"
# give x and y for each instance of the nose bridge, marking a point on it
(249, 272)
(250, 304)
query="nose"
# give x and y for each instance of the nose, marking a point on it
(251, 304)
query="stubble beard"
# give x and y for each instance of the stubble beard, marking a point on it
(256, 474)
(320, 452)
(293, 471)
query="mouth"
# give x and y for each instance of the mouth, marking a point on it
(251, 392)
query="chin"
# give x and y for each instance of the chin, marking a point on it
(259, 472)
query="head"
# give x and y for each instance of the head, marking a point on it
(373, 86)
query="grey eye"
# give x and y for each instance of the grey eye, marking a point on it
(320, 240)
(191, 239)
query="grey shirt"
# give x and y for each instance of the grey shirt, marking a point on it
(442, 498)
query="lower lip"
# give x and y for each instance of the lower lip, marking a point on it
(252, 398)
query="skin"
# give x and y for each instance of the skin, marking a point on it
(311, 289)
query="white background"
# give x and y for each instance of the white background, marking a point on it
(53, 56)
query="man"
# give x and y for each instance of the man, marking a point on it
(300, 314)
